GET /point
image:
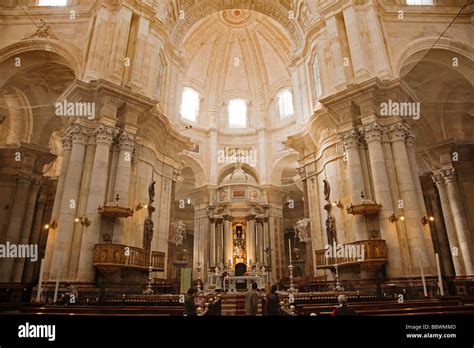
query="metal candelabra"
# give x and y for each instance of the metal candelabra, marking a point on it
(291, 290)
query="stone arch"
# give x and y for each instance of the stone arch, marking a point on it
(200, 9)
(58, 53)
(282, 163)
(417, 48)
(18, 125)
(197, 169)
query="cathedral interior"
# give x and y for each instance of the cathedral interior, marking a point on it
(150, 146)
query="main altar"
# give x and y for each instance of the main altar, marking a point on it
(239, 240)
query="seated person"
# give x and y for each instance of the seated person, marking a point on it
(343, 308)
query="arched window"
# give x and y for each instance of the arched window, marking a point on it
(52, 2)
(285, 104)
(317, 76)
(190, 104)
(420, 2)
(237, 113)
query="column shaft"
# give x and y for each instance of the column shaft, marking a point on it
(356, 179)
(411, 210)
(26, 230)
(373, 136)
(16, 221)
(81, 268)
(69, 203)
(459, 218)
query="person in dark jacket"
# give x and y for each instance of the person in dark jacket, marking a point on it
(273, 302)
(190, 307)
(343, 308)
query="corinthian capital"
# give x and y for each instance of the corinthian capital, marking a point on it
(79, 134)
(66, 141)
(105, 134)
(449, 175)
(350, 138)
(398, 132)
(373, 132)
(438, 180)
(126, 140)
(410, 138)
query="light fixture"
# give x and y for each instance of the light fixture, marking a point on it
(189, 201)
(337, 204)
(425, 220)
(395, 218)
(141, 206)
(53, 224)
(83, 220)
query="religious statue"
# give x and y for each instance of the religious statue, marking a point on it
(327, 190)
(147, 233)
(151, 191)
(331, 228)
(179, 232)
(301, 229)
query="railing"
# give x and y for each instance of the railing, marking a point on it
(360, 252)
(127, 256)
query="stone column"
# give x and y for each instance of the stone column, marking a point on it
(251, 254)
(220, 241)
(411, 210)
(356, 179)
(212, 242)
(69, 203)
(16, 221)
(26, 230)
(259, 241)
(373, 136)
(228, 237)
(449, 223)
(82, 268)
(67, 146)
(126, 143)
(410, 146)
(35, 239)
(213, 155)
(459, 218)
(266, 240)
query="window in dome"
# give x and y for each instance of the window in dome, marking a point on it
(52, 2)
(285, 104)
(317, 76)
(420, 2)
(190, 104)
(237, 113)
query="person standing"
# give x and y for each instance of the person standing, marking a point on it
(273, 302)
(251, 300)
(190, 307)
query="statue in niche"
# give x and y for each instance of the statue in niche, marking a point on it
(151, 191)
(147, 233)
(327, 190)
(301, 229)
(179, 232)
(331, 229)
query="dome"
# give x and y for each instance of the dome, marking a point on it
(238, 176)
